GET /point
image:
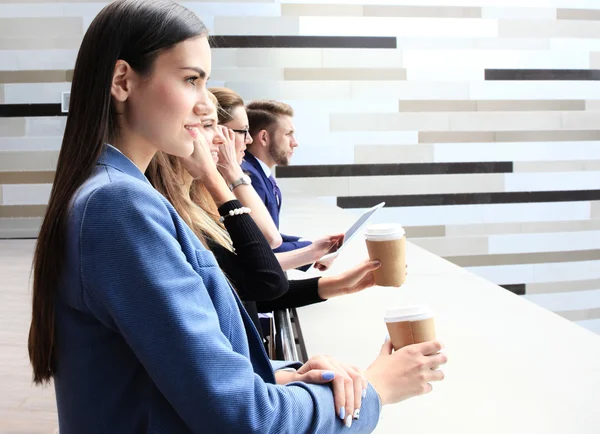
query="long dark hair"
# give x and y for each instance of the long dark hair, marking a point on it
(135, 31)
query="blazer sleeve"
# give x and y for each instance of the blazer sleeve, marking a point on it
(136, 277)
(253, 269)
(291, 243)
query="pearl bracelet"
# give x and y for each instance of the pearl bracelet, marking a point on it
(237, 211)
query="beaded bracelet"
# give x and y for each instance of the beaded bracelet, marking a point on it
(236, 211)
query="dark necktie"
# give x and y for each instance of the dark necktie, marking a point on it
(276, 191)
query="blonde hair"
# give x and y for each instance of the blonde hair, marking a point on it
(195, 206)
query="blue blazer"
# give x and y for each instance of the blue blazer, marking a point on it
(150, 336)
(264, 188)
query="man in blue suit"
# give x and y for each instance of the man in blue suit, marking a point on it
(273, 144)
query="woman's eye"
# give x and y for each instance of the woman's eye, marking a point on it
(209, 125)
(192, 80)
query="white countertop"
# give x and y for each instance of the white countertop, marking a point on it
(513, 367)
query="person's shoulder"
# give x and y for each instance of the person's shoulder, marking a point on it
(111, 195)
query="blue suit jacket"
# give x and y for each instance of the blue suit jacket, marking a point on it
(150, 336)
(264, 188)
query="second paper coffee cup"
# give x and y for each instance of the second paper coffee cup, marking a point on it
(386, 243)
(410, 325)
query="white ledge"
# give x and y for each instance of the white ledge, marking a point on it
(514, 367)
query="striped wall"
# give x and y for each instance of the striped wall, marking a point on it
(478, 122)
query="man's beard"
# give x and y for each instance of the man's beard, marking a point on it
(279, 156)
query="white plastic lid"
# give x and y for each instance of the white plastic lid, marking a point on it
(384, 232)
(408, 313)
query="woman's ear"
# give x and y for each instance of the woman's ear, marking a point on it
(121, 81)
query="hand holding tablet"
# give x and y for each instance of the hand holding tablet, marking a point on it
(338, 246)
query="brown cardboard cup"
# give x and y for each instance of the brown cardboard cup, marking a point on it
(410, 325)
(386, 243)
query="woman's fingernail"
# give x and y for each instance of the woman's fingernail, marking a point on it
(387, 338)
(377, 263)
(357, 413)
(364, 395)
(342, 413)
(328, 375)
(349, 421)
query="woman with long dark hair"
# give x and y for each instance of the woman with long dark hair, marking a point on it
(132, 318)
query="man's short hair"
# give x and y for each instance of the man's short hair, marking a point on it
(263, 115)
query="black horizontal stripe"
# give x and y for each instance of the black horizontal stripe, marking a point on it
(338, 170)
(29, 110)
(542, 74)
(257, 41)
(518, 288)
(468, 198)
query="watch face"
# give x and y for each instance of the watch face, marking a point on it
(246, 179)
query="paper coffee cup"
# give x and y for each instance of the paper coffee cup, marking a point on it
(386, 243)
(410, 325)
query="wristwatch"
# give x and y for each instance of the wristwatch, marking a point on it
(245, 180)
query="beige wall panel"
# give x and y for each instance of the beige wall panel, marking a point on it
(20, 227)
(345, 74)
(437, 106)
(525, 258)
(422, 11)
(595, 210)
(550, 287)
(530, 105)
(390, 121)
(22, 211)
(374, 154)
(504, 121)
(28, 161)
(289, 26)
(550, 136)
(578, 14)
(33, 76)
(321, 10)
(42, 27)
(580, 315)
(26, 177)
(12, 127)
(456, 136)
(424, 231)
(450, 246)
(522, 227)
(430, 184)
(314, 186)
(349, 58)
(552, 166)
(581, 120)
(40, 43)
(548, 29)
(279, 57)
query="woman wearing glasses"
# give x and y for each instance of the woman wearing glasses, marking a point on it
(232, 114)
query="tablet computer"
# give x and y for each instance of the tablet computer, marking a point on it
(353, 230)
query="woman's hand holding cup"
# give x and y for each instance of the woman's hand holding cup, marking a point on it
(408, 372)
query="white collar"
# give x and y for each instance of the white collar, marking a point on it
(264, 167)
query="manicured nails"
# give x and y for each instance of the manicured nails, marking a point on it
(357, 413)
(328, 375)
(364, 393)
(342, 413)
(349, 421)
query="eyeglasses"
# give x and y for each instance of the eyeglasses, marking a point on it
(245, 132)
